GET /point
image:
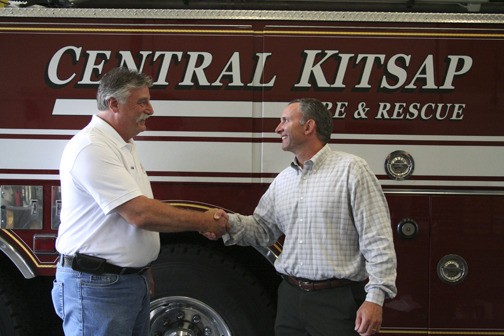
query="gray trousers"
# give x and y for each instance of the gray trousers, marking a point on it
(328, 312)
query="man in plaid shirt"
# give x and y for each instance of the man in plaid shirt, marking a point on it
(338, 260)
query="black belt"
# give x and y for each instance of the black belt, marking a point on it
(105, 267)
(315, 285)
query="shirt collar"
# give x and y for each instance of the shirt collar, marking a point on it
(110, 132)
(315, 162)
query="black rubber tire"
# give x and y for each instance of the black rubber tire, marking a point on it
(213, 278)
(13, 309)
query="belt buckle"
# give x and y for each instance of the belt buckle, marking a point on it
(307, 285)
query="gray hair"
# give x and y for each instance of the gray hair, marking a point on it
(312, 108)
(118, 83)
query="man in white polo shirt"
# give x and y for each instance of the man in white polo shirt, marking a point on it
(109, 220)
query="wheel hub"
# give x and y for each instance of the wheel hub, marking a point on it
(184, 316)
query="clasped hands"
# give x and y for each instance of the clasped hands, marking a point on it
(217, 226)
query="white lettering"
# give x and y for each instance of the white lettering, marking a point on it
(127, 59)
(166, 58)
(194, 69)
(310, 68)
(234, 71)
(452, 69)
(338, 82)
(368, 66)
(403, 111)
(340, 112)
(52, 69)
(91, 66)
(426, 71)
(259, 72)
(399, 73)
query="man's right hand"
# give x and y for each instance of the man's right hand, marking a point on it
(218, 225)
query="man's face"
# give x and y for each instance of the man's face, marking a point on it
(290, 128)
(134, 112)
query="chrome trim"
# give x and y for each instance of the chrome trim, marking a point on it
(267, 253)
(444, 192)
(452, 269)
(16, 258)
(211, 14)
(399, 165)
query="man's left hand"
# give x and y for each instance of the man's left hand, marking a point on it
(369, 319)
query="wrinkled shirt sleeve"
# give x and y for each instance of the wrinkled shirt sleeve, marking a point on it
(372, 221)
(258, 229)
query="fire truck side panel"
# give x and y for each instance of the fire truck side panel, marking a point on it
(420, 97)
(466, 228)
(411, 307)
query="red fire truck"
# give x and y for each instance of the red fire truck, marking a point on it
(415, 89)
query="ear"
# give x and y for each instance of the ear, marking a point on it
(113, 105)
(310, 126)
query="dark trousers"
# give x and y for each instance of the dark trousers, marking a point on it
(328, 312)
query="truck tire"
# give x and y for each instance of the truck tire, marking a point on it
(13, 319)
(199, 291)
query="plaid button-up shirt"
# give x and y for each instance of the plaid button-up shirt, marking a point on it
(335, 219)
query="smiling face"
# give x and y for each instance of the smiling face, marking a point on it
(131, 115)
(291, 130)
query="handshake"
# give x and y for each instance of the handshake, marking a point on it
(217, 224)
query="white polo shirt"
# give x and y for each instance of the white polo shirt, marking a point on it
(100, 171)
